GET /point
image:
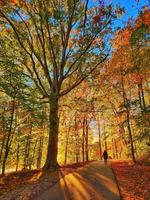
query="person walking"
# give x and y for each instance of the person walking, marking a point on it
(105, 156)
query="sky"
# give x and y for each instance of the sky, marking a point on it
(131, 8)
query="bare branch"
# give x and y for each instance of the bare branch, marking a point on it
(85, 13)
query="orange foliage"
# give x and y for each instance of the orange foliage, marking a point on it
(14, 2)
(97, 18)
(81, 93)
(2, 3)
(122, 38)
(145, 18)
(138, 78)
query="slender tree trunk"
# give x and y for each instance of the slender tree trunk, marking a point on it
(142, 95)
(4, 136)
(148, 89)
(140, 99)
(51, 158)
(100, 142)
(113, 148)
(125, 100)
(135, 147)
(27, 148)
(105, 139)
(83, 138)
(116, 149)
(66, 147)
(39, 158)
(120, 153)
(2, 148)
(130, 137)
(86, 140)
(76, 141)
(33, 155)
(7, 145)
(41, 140)
(17, 157)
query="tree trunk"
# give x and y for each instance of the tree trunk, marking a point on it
(39, 158)
(86, 140)
(17, 157)
(33, 155)
(66, 147)
(52, 151)
(142, 95)
(2, 148)
(105, 139)
(125, 101)
(41, 140)
(100, 143)
(76, 141)
(140, 99)
(7, 145)
(148, 89)
(130, 136)
(83, 138)
(113, 149)
(116, 149)
(27, 149)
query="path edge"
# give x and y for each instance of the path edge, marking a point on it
(116, 180)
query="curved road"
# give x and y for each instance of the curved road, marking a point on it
(94, 181)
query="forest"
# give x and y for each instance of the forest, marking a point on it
(65, 77)
(73, 83)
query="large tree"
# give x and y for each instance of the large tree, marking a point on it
(60, 44)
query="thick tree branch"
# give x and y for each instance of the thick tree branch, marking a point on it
(86, 49)
(15, 31)
(82, 78)
(63, 61)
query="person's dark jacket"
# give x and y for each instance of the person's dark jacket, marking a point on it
(105, 155)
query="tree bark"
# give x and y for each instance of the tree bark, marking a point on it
(66, 147)
(51, 159)
(116, 149)
(86, 140)
(125, 101)
(140, 99)
(17, 157)
(130, 136)
(27, 148)
(7, 145)
(113, 149)
(142, 96)
(100, 143)
(76, 141)
(2, 148)
(32, 158)
(83, 139)
(39, 158)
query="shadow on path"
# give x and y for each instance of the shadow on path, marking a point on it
(92, 182)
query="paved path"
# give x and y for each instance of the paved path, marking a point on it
(94, 181)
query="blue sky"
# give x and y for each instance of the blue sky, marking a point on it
(131, 7)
